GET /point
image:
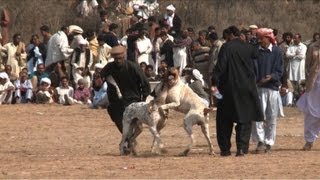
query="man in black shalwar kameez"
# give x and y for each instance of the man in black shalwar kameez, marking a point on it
(235, 78)
(133, 84)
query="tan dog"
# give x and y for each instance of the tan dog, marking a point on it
(181, 98)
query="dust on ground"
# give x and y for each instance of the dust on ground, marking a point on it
(54, 141)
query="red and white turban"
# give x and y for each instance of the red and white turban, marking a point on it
(266, 32)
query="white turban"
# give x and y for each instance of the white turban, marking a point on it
(170, 8)
(4, 75)
(253, 26)
(46, 80)
(75, 29)
(196, 73)
(99, 66)
(83, 42)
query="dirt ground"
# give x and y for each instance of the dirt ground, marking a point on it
(53, 141)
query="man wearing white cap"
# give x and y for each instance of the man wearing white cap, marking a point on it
(173, 20)
(6, 89)
(81, 61)
(253, 40)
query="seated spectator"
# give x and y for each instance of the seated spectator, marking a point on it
(161, 73)
(36, 77)
(143, 66)
(44, 93)
(6, 89)
(82, 94)
(286, 92)
(200, 56)
(163, 64)
(56, 75)
(100, 98)
(12, 77)
(150, 73)
(196, 83)
(23, 85)
(64, 93)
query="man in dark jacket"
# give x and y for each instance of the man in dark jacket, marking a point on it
(269, 72)
(131, 81)
(235, 78)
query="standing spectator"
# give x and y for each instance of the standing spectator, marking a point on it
(23, 86)
(181, 50)
(104, 49)
(214, 51)
(202, 39)
(309, 102)
(104, 23)
(111, 37)
(15, 53)
(64, 92)
(4, 23)
(144, 48)
(173, 20)
(253, 38)
(132, 83)
(58, 49)
(269, 73)
(296, 66)
(34, 54)
(93, 46)
(81, 62)
(45, 32)
(284, 45)
(200, 56)
(235, 79)
(166, 50)
(6, 89)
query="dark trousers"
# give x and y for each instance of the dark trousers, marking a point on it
(224, 128)
(115, 110)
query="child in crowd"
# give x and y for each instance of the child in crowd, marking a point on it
(44, 93)
(150, 73)
(82, 94)
(64, 92)
(23, 85)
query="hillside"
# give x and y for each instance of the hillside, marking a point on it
(286, 15)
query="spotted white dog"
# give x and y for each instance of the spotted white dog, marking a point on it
(140, 113)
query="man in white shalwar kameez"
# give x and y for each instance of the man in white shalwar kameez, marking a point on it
(58, 47)
(144, 48)
(309, 102)
(296, 67)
